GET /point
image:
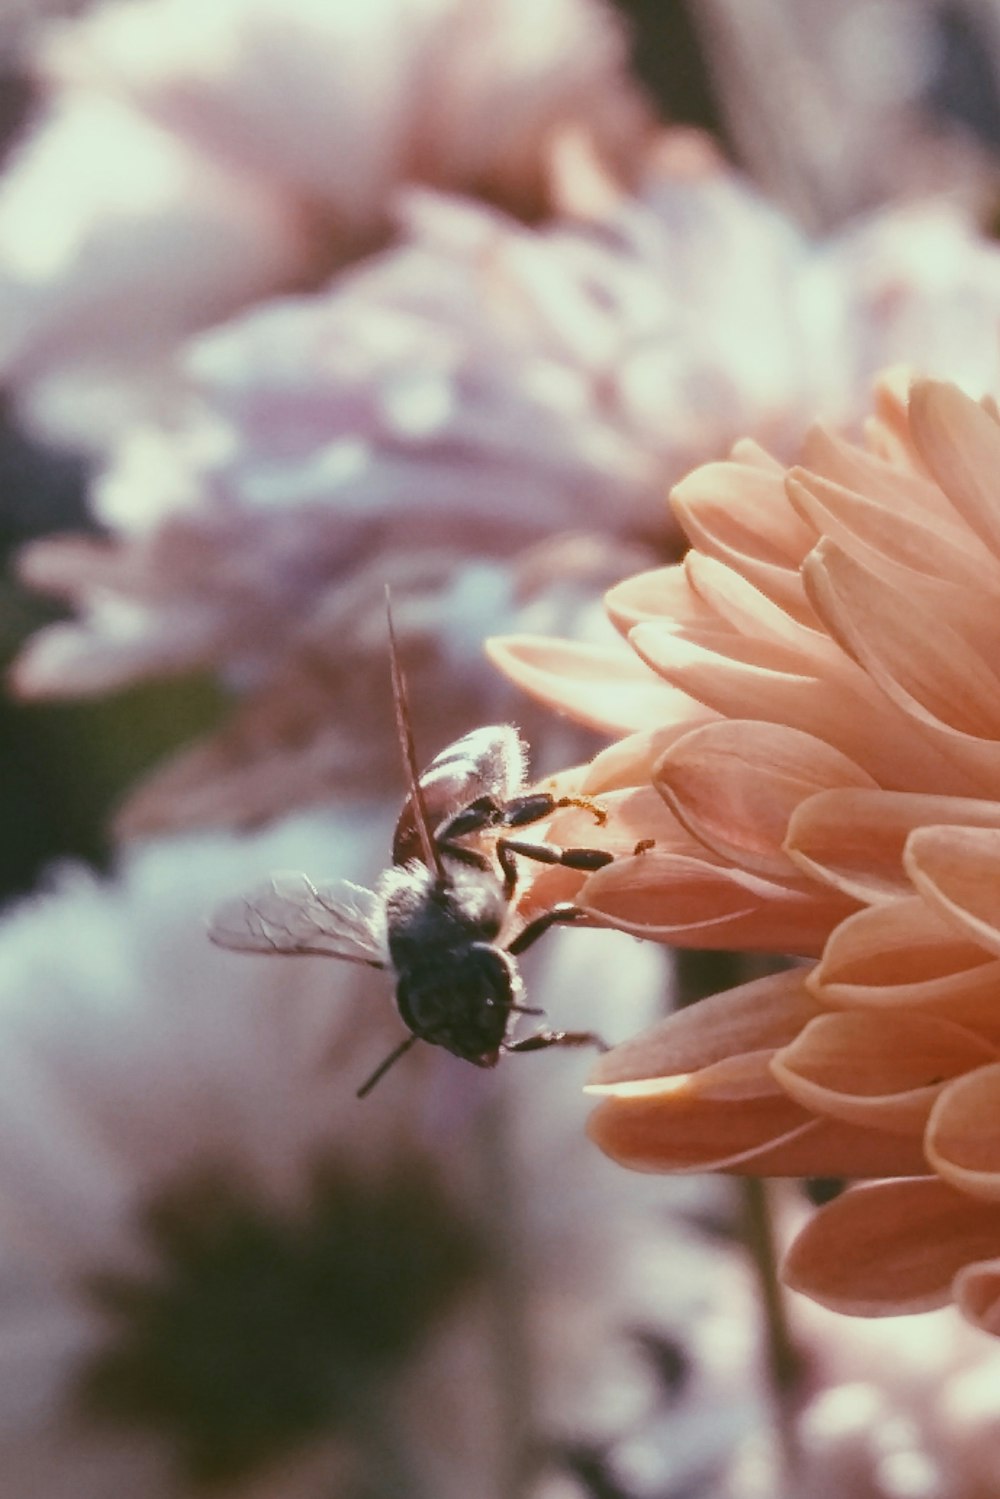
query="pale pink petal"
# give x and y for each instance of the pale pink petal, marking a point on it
(903, 954)
(77, 241)
(602, 686)
(673, 1130)
(891, 533)
(867, 1068)
(891, 1248)
(957, 870)
(960, 444)
(921, 662)
(854, 839)
(735, 784)
(963, 1133)
(977, 1295)
(695, 902)
(664, 592)
(762, 1015)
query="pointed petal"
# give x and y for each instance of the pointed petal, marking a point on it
(957, 870)
(759, 1016)
(900, 955)
(630, 761)
(740, 678)
(675, 1130)
(854, 839)
(897, 534)
(924, 665)
(960, 444)
(735, 784)
(602, 686)
(866, 1068)
(977, 1295)
(739, 513)
(663, 593)
(827, 453)
(693, 902)
(735, 602)
(891, 1248)
(963, 1134)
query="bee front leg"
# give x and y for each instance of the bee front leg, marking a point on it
(521, 811)
(563, 914)
(542, 1040)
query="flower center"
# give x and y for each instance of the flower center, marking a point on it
(259, 1331)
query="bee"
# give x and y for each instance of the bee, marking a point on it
(441, 917)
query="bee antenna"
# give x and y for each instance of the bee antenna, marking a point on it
(404, 729)
(383, 1067)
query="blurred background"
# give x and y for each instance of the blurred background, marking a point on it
(299, 299)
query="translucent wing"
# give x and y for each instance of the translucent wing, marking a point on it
(290, 914)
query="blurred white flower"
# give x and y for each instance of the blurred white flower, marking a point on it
(219, 1270)
(190, 161)
(891, 1412)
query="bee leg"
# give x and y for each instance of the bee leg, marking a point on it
(542, 1040)
(484, 812)
(562, 914)
(520, 811)
(545, 853)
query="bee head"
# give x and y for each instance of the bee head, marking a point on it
(461, 1002)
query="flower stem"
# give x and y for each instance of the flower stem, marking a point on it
(784, 1363)
(509, 1277)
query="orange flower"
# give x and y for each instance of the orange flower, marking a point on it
(816, 752)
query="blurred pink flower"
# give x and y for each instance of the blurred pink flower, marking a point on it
(452, 401)
(192, 161)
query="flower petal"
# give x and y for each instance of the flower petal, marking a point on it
(866, 1068)
(977, 1295)
(898, 487)
(957, 870)
(735, 784)
(695, 902)
(963, 1133)
(602, 686)
(754, 1017)
(923, 665)
(663, 593)
(674, 1129)
(739, 513)
(960, 444)
(854, 839)
(890, 1248)
(630, 761)
(902, 954)
(738, 677)
(894, 534)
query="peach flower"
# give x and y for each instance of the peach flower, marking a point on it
(815, 749)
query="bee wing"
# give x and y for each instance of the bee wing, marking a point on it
(290, 914)
(485, 762)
